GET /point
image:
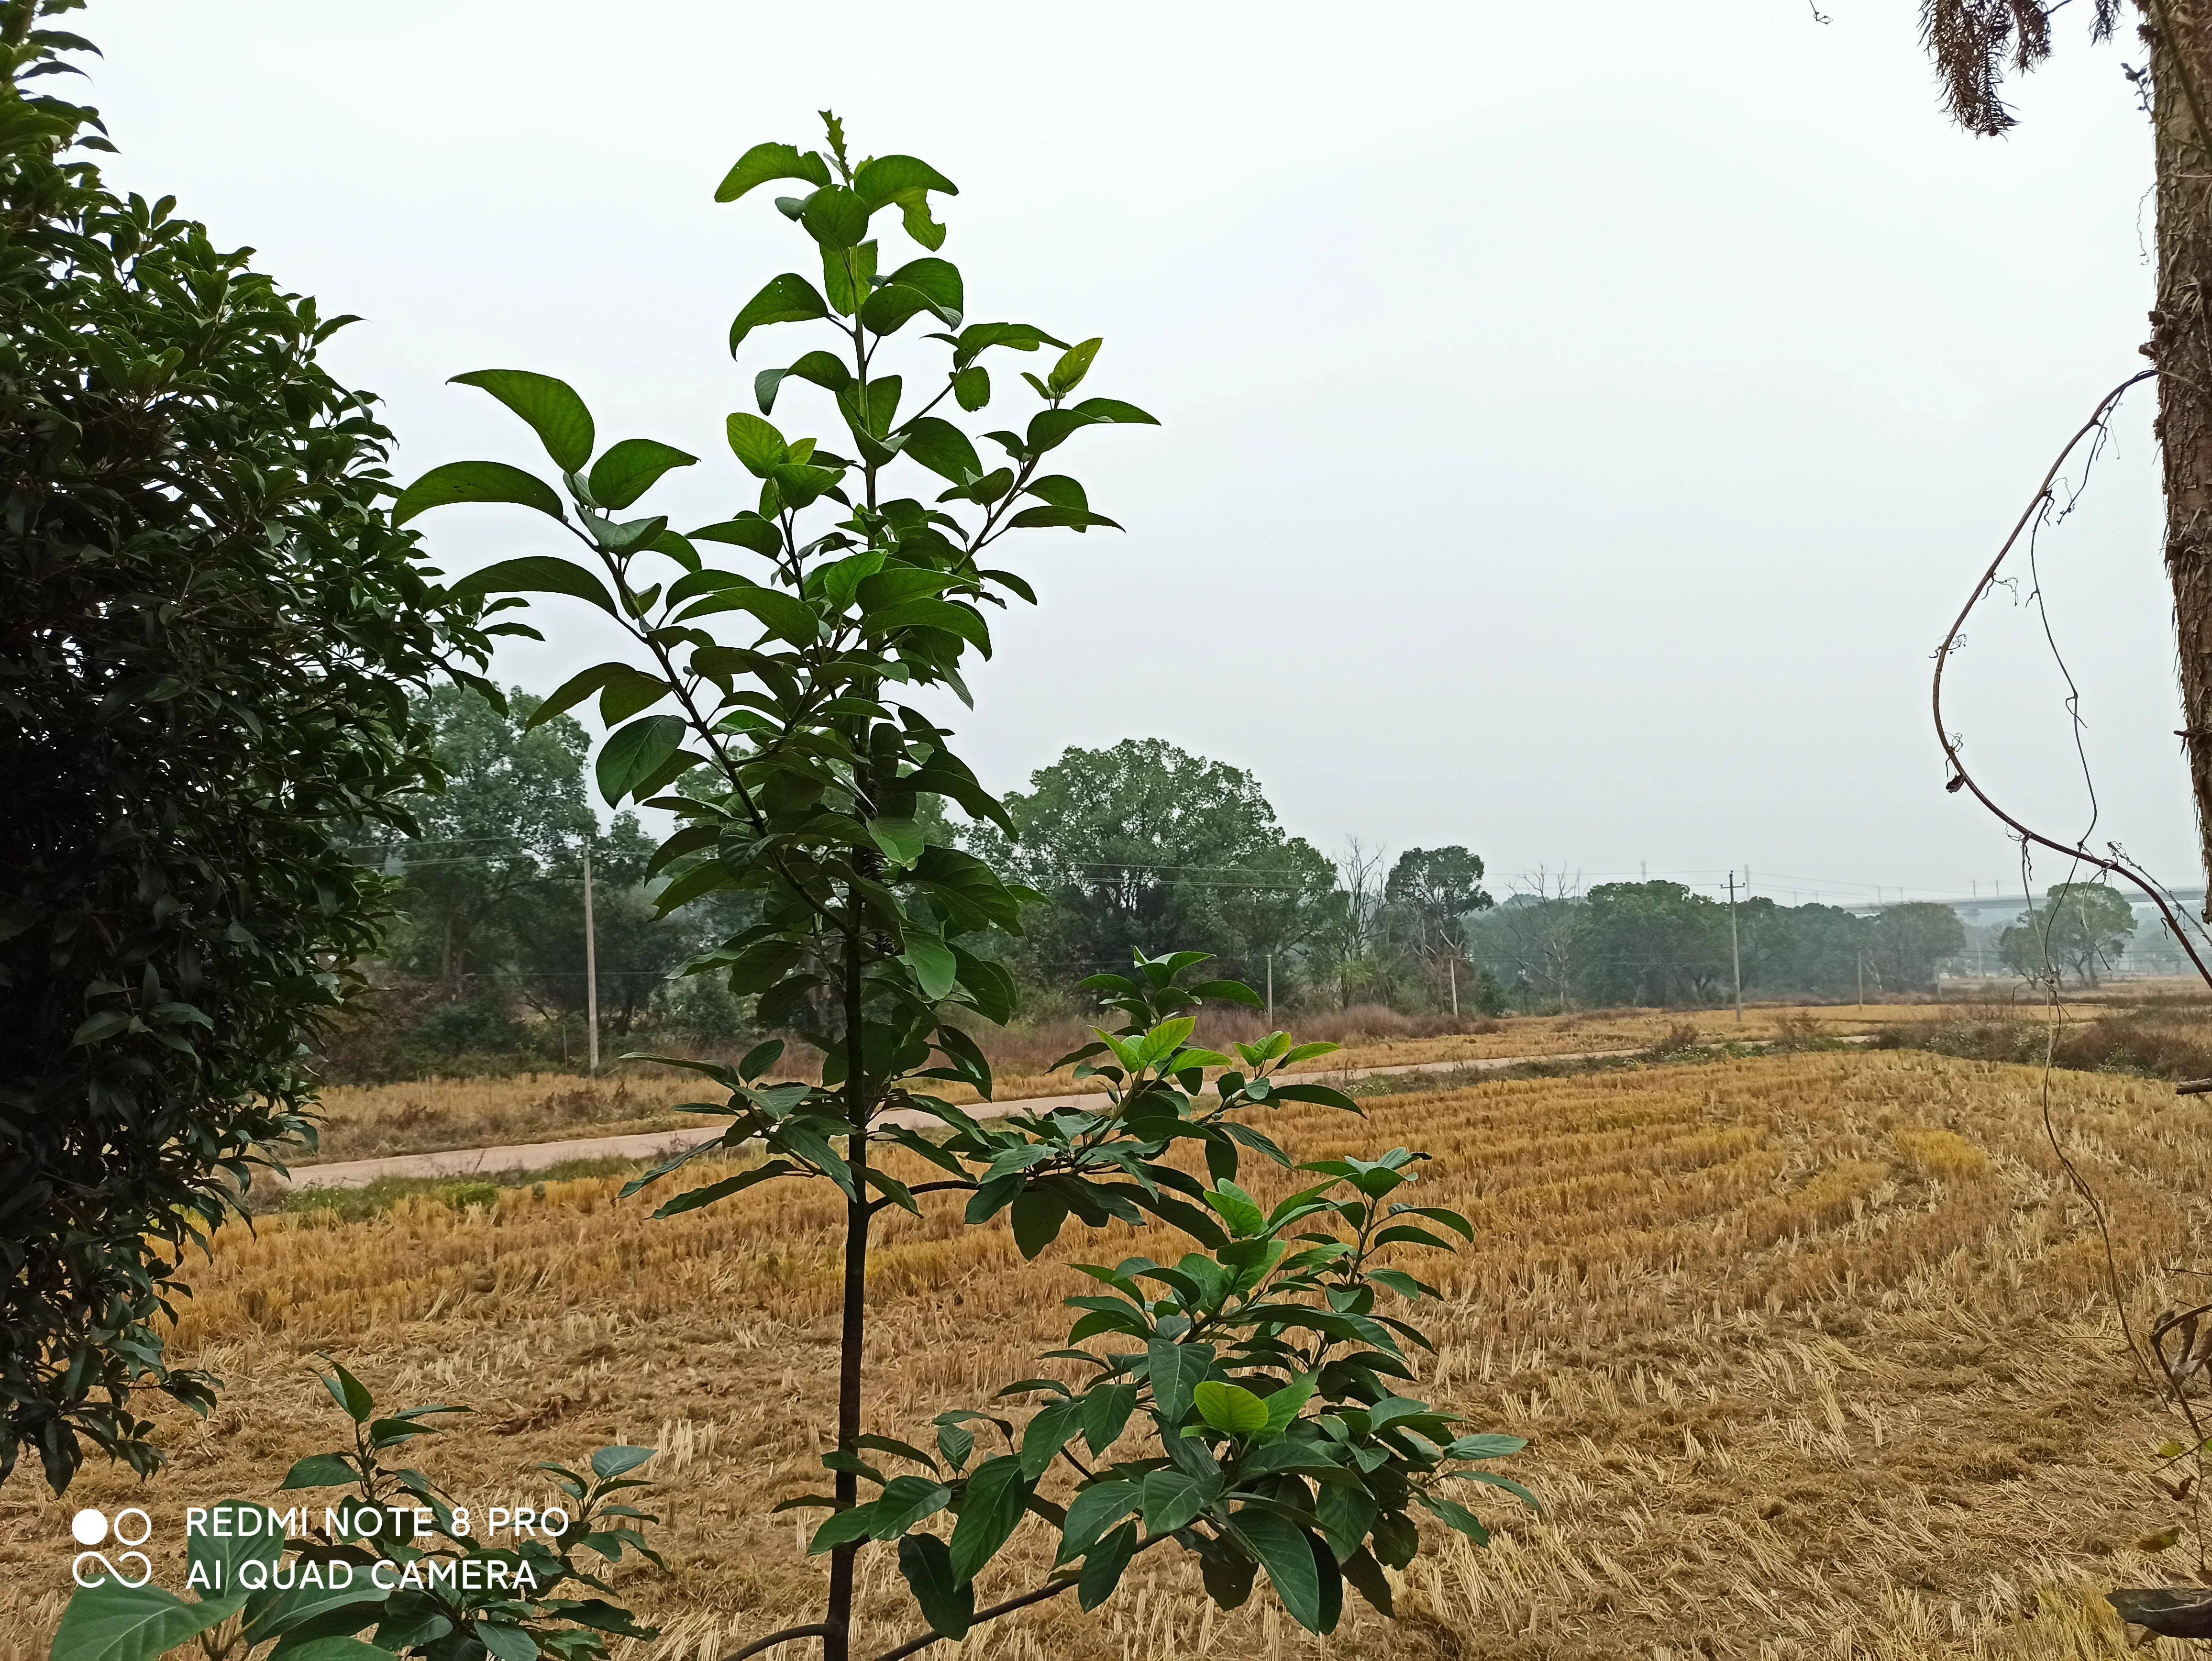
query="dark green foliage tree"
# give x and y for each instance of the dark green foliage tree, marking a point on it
(1907, 945)
(511, 816)
(491, 928)
(1144, 842)
(208, 628)
(1435, 891)
(2081, 926)
(766, 695)
(495, 883)
(1660, 943)
(1813, 949)
(1652, 943)
(639, 948)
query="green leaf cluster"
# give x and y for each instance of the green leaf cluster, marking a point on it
(452, 1592)
(211, 629)
(768, 694)
(1249, 1402)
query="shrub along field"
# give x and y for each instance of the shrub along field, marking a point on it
(1809, 1347)
(363, 1122)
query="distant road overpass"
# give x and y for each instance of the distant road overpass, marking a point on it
(1986, 910)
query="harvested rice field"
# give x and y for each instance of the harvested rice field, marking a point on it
(1810, 1349)
(372, 1121)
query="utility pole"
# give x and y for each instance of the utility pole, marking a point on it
(590, 967)
(1736, 950)
(1862, 985)
(1271, 989)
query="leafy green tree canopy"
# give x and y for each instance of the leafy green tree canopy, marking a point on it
(1436, 888)
(208, 628)
(1652, 943)
(1907, 945)
(2082, 927)
(779, 720)
(513, 808)
(1142, 842)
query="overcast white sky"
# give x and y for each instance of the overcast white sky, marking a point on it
(1577, 438)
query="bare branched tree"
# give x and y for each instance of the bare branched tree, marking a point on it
(1533, 937)
(1354, 937)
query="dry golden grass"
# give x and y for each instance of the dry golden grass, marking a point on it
(364, 1122)
(1810, 1349)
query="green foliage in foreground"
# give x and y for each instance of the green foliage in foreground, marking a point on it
(398, 1560)
(766, 695)
(209, 629)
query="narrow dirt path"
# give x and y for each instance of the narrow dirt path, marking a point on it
(658, 1144)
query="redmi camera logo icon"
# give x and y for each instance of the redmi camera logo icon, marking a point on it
(91, 1527)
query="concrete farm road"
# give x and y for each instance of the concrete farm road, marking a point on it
(658, 1144)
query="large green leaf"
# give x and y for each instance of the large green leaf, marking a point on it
(1283, 1405)
(582, 685)
(216, 1558)
(1290, 1556)
(636, 752)
(350, 1393)
(1230, 1409)
(628, 470)
(789, 298)
(1074, 364)
(618, 1460)
(943, 614)
(1038, 1216)
(908, 1502)
(537, 573)
(935, 968)
(747, 530)
(339, 1646)
(1176, 1370)
(997, 1496)
(506, 1641)
(1173, 1499)
(1094, 1510)
(886, 178)
(474, 481)
(927, 284)
(696, 1198)
(1072, 519)
(1051, 1425)
(563, 424)
(1106, 1410)
(1454, 1516)
(111, 1622)
(943, 448)
(1102, 1567)
(824, 369)
(272, 1616)
(947, 1602)
(785, 616)
(765, 162)
(835, 217)
(757, 443)
(321, 1470)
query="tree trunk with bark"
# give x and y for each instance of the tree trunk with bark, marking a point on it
(2181, 348)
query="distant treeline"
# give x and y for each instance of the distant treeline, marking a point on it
(1661, 943)
(1136, 845)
